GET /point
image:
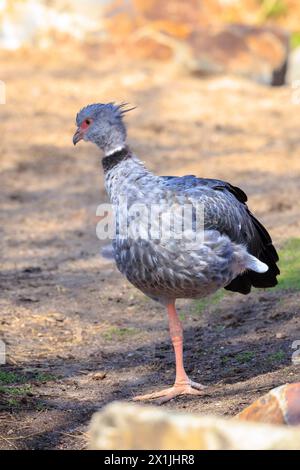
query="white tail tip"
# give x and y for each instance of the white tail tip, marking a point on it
(255, 265)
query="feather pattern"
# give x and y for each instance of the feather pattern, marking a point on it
(236, 251)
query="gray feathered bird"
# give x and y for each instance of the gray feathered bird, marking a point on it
(235, 251)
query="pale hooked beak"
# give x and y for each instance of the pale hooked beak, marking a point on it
(77, 136)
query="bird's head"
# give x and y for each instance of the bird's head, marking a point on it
(103, 125)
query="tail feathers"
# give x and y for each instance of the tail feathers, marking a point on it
(256, 277)
(263, 252)
(254, 264)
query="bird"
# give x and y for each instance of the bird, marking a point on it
(229, 249)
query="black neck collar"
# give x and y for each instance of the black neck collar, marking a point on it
(115, 158)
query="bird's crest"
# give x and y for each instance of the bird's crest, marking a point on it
(117, 109)
(123, 108)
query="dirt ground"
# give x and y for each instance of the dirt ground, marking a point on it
(77, 334)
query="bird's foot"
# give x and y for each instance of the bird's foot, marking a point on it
(188, 388)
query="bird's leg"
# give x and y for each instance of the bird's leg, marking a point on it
(183, 385)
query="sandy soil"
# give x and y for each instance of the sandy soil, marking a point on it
(75, 330)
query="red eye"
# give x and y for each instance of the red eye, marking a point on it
(85, 123)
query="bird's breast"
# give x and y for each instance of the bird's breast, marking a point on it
(169, 269)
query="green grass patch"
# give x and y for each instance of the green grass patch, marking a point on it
(16, 387)
(12, 402)
(272, 9)
(242, 358)
(214, 299)
(225, 360)
(181, 316)
(16, 390)
(245, 356)
(219, 328)
(14, 395)
(289, 263)
(41, 377)
(115, 332)
(295, 40)
(9, 378)
(278, 356)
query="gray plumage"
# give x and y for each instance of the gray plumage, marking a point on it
(236, 251)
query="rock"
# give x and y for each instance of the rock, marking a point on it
(258, 53)
(99, 375)
(127, 426)
(293, 75)
(280, 406)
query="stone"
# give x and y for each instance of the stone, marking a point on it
(280, 406)
(126, 426)
(258, 53)
(99, 375)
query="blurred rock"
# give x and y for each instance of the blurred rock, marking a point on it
(195, 13)
(294, 67)
(280, 406)
(191, 12)
(258, 53)
(132, 427)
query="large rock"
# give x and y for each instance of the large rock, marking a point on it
(258, 53)
(127, 426)
(280, 406)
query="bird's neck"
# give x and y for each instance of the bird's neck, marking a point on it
(114, 158)
(123, 173)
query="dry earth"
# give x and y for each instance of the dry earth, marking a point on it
(78, 335)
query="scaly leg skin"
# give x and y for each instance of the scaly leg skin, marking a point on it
(183, 385)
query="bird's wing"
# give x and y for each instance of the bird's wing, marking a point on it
(225, 210)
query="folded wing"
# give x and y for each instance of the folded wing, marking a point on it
(225, 210)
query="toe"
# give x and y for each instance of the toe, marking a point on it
(169, 396)
(153, 396)
(198, 386)
(191, 391)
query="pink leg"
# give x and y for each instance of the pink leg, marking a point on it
(176, 334)
(183, 385)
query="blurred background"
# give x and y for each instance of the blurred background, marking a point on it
(216, 84)
(251, 37)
